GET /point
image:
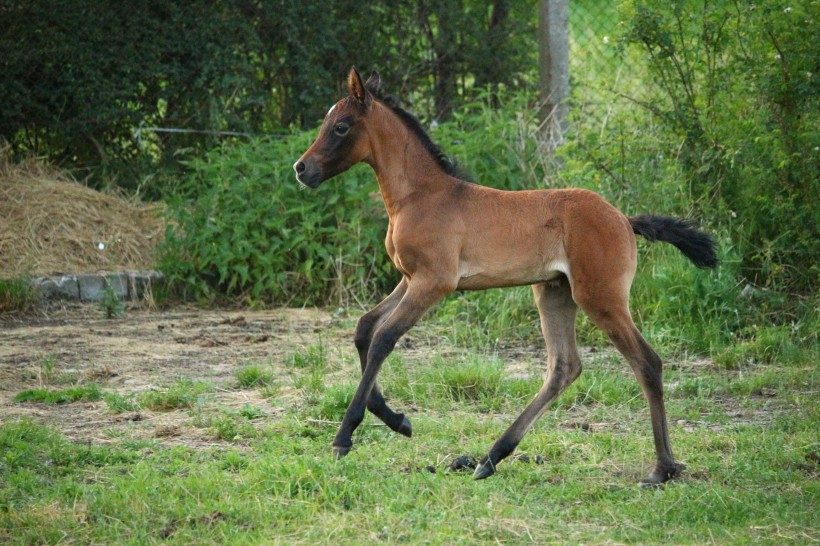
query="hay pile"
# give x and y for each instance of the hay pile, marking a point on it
(51, 224)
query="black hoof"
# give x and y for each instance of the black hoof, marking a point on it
(339, 452)
(484, 470)
(405, 428)
(662, 475)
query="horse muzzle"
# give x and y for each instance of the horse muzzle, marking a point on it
(308, 173)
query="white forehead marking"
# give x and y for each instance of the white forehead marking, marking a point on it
(331, 110)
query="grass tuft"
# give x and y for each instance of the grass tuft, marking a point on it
(82, 393)
(17, 296)
(254, 376)
(183, 395)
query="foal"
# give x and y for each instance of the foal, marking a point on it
(444, 234)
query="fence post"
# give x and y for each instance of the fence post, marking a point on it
(553, 70)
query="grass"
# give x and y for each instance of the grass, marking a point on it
(80, 393)
(745, 486)
(747, 434)
(743, 421)
(252, 375)
(184, 394)
(17, 296)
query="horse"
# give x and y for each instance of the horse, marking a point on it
(445, 234)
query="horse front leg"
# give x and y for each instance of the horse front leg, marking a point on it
(419, 296)
(367, 324)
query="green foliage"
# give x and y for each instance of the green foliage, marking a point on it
(47, 368)
(119, 403)
(95, 80)
(734, 95)
(603, 386)
(17, 296)
(477, 379)
(91, 74)
(473, 381)
(253, 375)
(743, 479)
(232, 428)
(184, 394)
(80, 393)
(242, 226)
(311, 365)
(313, 357)
(111, 304)
(333, 403)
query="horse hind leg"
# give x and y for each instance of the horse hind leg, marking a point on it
(367, 324)
(615, 320)
(557, 311)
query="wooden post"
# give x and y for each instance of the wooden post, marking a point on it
(553, 60)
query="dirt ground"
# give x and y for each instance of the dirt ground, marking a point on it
(152, 349)
(146, 350)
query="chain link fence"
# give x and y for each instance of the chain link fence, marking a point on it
(600, 74)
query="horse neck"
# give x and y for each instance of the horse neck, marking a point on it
(402, 165)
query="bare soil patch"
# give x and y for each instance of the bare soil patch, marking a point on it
(147, 350)
(153, 349)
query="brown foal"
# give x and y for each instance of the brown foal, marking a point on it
(444, 234)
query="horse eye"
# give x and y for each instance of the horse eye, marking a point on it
(341, 129)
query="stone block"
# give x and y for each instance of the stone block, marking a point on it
(64, 287)
(92, 287)
(140, 282)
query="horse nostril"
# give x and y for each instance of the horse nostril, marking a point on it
(299, 167)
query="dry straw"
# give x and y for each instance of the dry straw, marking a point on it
(51, 224)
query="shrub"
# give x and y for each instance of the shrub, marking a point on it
(243, 227)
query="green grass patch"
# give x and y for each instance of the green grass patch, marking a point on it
(119, 403)
(255, 376)
(232, 428)
(17, 296)
(334, 401)
(182, 395)
(313, 357)
(80, 393)
(741, 483)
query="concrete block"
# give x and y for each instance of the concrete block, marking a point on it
(95, 287)
(140, 282)
(119, 284)
(92, 287)
(64, 287)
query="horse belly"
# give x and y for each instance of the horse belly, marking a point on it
(509, 274)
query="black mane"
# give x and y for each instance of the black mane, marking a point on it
(414, 125)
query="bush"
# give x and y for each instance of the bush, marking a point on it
(242, 226)
(732, 94)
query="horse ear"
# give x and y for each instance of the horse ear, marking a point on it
(356, 86)
(374, 84)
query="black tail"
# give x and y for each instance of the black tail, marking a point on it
(696, 245)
